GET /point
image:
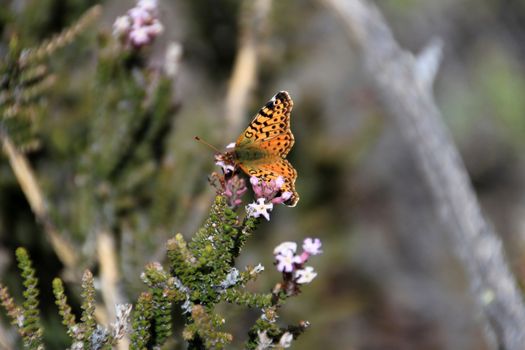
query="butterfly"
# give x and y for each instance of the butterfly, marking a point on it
(262, 148)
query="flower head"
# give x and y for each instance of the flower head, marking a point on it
(312, 246)
(230, 184)
(286, 340)
(305, 275)
(139, 36)
(286, 261)
(265, 342)
(256, 209)
(140, 16)
(231, 279)
(270, 190)
(122, 26)
(140, 26)
(285, 246)
(148, 5)
(257, 269)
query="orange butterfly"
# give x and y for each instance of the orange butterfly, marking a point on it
(261, 149)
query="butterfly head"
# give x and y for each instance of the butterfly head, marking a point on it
(226, 160)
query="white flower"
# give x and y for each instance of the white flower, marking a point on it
(226, 168)
(264, 342)
(256, 209)
(20, 321)
(286, 340)
(148, 5)
(230, 145)
(312, 246)
(269, 315)
(257, 269)
(305, 275)
(121, 26)
(286, 261)
(231, 278)
(78, 345)
(285, 246)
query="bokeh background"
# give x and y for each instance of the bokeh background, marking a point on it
(388, 278)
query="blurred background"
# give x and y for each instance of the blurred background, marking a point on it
(388, 278)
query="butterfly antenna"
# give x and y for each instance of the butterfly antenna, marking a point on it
(207, 144)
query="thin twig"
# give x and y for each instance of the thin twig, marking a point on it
(404, 83)
(27, 180)
(109, 278)
(62, 39)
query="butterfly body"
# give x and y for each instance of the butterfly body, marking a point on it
(247, 154)
(262, 148)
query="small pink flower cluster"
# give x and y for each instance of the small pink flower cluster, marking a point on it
(270, 191)
(267, 194)
(289, 263)
(235, 188)
(140, 26)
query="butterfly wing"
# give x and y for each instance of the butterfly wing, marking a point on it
(270, 169)
(269, 130)
(265, 143)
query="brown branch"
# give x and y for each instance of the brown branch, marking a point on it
(109, 279)
(404, 83)
(244, 76)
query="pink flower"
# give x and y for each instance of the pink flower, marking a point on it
(312, 246)
(270, 190)
(286, 261)
(254, 180)
(279, 182)
(282, 198)
(140, 26)
(235, 188)
(140, 17)
(139, 36)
